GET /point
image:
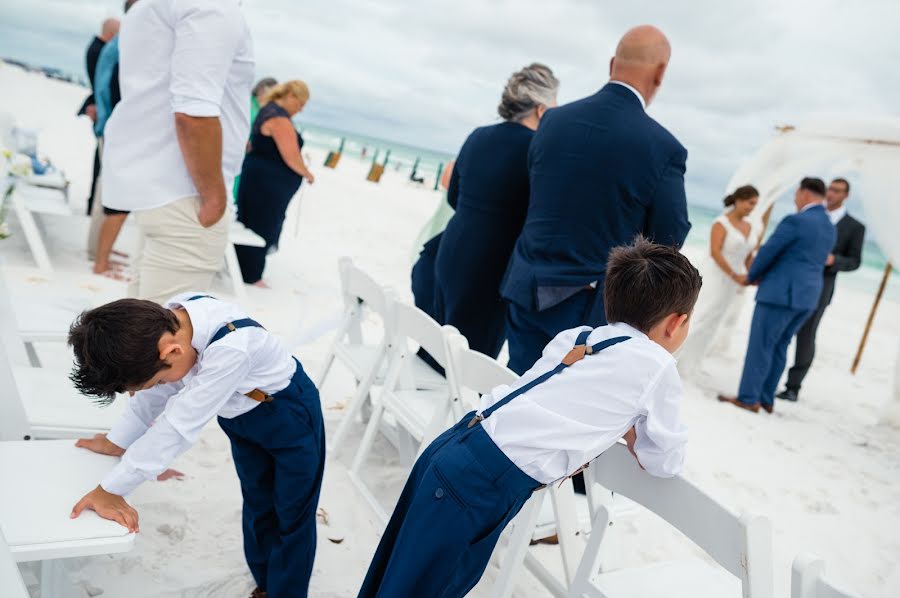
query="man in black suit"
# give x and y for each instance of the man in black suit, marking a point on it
(845, 257)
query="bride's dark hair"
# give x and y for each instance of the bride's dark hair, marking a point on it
(741, 193)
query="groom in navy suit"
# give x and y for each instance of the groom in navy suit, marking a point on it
(788, 269)
(601, 172)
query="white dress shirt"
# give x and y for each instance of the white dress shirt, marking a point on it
(237, 363)
(189, 56)
(633, 90)
(567, 421)
(837, 214)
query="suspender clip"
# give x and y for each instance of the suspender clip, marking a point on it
(478, 417)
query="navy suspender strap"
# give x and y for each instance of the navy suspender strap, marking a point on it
(577, 353)
(255, 394)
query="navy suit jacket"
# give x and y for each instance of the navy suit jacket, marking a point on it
(789, 265)
(601, 171)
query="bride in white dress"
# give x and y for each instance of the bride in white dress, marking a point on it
(733, 238)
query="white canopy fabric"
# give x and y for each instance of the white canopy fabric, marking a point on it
(864, 149)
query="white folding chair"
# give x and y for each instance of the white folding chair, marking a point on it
(40, 481)
(362, 295)
(11, 583)
(407, 413)
(37, 402)
(471, 374)
(741, 545)
(808, 579)
(28, 201)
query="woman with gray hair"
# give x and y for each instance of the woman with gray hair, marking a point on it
(489, 191)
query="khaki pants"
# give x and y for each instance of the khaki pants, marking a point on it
(178, 254)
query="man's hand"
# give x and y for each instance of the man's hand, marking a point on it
(830, 260)
(741, 279)
(100, 444)
(108, 506)
(91, 111)
(211, 210)
(170, 474)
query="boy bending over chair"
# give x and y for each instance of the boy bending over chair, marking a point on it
(195, 359)
(589, 389)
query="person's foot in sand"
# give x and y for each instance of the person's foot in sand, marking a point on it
(739, 403)
(261, 284)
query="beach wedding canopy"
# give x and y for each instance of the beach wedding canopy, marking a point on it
(866, 149)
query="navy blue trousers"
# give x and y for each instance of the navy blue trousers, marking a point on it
(459, 496)
(279, 454)
(771, 332)
(528, 332)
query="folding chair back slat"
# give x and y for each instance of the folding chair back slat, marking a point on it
(741, 545)
(413, 324)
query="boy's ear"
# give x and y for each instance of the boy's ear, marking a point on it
(674, 322)
(169, 348)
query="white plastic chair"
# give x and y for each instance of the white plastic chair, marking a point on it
(808, 579)
(418, 413)
(37, 402)
(11, 583)
(40, 481)
(471, 374)
(361, 294)
(741, 545)
(29, 201)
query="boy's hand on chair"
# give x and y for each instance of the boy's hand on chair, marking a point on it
(630, 438)
(100, 444)
(109, 506)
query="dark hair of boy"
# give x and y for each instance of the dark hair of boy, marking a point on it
(813, 184)
(117, 346)
(646, 282)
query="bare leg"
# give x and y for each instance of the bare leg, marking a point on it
(109, 231)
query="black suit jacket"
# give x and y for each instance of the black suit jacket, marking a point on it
(851, 234)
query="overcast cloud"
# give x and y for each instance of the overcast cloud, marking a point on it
(426, 73)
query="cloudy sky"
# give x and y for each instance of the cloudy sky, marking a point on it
(425, 73)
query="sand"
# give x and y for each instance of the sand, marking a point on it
(824, 470)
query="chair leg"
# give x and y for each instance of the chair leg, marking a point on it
(32, 234)
(589, 564)
(234, 271)
(519, 541)
(567, 527)
(365, 446)
(357, 402)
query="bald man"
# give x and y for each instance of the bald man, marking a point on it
(601, 172)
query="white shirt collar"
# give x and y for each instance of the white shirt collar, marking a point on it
(837, 214)
(633, 90)
(629, 330)
(813, 205)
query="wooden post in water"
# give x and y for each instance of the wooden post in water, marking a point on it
(334, 157)
(865, 336)
(437, 178)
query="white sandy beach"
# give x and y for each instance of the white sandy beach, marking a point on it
(824, 470)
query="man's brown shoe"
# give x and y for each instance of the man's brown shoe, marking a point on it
(257, 593)
(738, 403)
(768, 408)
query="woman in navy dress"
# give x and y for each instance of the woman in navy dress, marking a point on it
(272, 172)
(489, 191)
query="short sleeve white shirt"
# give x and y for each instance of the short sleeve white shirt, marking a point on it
(189, 56)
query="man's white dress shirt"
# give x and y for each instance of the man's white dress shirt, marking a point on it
(189, 56)
(837, 214)
(237, 363)
(556, 427)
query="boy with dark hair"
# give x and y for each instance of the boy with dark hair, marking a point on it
(184, 364)
(589, 389)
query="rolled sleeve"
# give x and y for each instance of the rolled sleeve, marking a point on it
(661, 436)
(207, 36)
(222, 369)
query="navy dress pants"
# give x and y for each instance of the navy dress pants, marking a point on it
(460, 495)
(528, 331)
(771, 331)
(279, 454)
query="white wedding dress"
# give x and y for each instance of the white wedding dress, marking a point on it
(720, 296)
